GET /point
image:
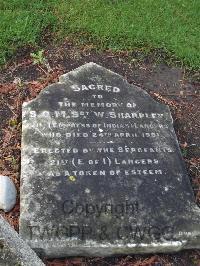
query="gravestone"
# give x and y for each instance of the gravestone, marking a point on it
(102, 171)
(13, 250)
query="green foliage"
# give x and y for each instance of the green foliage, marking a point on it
(22, 23)
(184, 152)
(38, 58)
(13, 122)
(172, 25)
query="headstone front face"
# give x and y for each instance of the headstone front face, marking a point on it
(102, 172)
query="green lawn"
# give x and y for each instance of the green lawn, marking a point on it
(124, 24)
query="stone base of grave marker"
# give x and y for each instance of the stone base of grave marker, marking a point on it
(102, 172)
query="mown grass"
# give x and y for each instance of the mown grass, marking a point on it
(22, 23)
(172, 25)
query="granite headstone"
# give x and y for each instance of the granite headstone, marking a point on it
(102, 172)
(13, 250)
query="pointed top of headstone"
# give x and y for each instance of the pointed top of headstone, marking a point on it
(90, 74)
(86, 68)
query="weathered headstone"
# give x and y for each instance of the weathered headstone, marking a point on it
(13, 250)
(102, 171)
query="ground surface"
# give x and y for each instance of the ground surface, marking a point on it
(21, 80)
(118, 24)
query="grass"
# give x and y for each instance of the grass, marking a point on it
(22, 23)
(172, 25)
